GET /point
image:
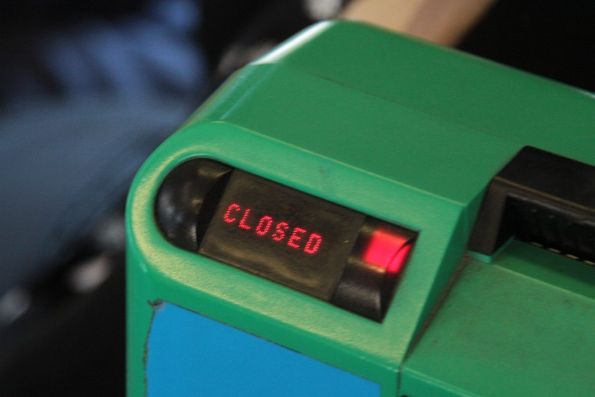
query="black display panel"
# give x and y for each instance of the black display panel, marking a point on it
(282, 234)
(344, 257)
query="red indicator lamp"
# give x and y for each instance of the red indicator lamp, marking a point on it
(388, 251)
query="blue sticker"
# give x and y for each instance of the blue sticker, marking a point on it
(191, 355)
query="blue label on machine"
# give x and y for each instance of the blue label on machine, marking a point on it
(191, 355)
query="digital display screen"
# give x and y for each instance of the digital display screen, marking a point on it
(282, 234)
(325, 250)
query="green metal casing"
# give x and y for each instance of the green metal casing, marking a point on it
(412, 134)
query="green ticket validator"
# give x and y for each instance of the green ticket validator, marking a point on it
(360, 213)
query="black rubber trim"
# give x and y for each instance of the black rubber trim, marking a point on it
(541, 198)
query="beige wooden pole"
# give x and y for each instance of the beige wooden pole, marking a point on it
(440, 21)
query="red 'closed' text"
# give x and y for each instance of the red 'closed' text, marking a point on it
(279, 231)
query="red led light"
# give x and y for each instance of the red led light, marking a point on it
(231, 208)
(280, 230)
(295, 237)
(243, 222)
(313, 244)
(387, 251)
(264, 225)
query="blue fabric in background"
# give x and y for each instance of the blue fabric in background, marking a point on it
(83, 106)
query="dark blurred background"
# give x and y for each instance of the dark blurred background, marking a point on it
(89, 89)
